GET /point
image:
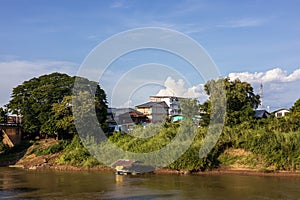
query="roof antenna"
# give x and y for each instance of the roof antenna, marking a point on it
(261, 95)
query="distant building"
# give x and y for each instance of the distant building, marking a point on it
(122, 119)
(14, 119)
(155, 111)
(172, 101)
(281, 112)
(11, 130)
(132, 116)
(12, 133)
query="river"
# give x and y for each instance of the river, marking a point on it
(27, 184)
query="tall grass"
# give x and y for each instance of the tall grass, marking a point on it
(76, 154)
(280, 150)
(276, 148)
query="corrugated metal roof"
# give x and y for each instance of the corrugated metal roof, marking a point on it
(151, 104)
(261, 114)
(123, 162)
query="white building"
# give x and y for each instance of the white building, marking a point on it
(171, 101)
(281, 112)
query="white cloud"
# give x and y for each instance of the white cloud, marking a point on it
(280, 89)
(273, 75)
(16, 72)
(178, 88)
(246, 76)
(295, 76)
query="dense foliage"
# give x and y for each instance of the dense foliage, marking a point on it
(272, 143)
(2, 115)
(34, 98)
(45, 104)
(277, 150)
(77, 155)
(52, 149)
(240, 100)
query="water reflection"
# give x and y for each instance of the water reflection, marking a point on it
(25, 184)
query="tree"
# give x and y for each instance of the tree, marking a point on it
(3, 116)
(205, 113)
(296, 107)
(82, 88)
(34, 100)
(101, 106)
(63, 125)
(294, 116)
(240, 100)
(189, 108)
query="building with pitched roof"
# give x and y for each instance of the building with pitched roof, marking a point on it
(280, 112)
(123, 119)
(259, 114)
(155, 111)
(172, 101)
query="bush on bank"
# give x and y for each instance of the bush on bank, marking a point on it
(275, 149)
(279, 150)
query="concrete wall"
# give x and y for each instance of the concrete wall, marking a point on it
(13, 133)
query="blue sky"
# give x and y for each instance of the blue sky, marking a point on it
(258, 41)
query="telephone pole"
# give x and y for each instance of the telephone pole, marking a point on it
(261, 95)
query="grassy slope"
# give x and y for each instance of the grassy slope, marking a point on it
(256, 150)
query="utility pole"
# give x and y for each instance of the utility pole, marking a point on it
(261, 95)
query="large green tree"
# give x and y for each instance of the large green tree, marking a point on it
(241, 101)
(62, 121)
(189, 108)
(34, 100)
(294, 117)
(296, 107)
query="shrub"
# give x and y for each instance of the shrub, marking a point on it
(58, 147)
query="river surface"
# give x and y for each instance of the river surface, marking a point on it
(26, 184)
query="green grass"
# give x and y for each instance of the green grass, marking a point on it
(55, 148)
(76, 154)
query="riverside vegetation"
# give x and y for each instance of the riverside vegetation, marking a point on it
(265, 145)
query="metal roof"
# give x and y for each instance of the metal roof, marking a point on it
(123, 162)
(151, 104)
(280, 109)
(261, 114)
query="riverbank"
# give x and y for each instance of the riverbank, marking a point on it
(165, 171)
(42, 165)
(230, 171)
(25, 158)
